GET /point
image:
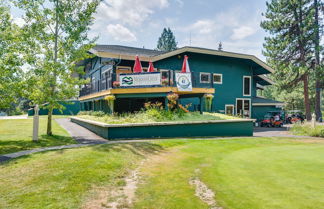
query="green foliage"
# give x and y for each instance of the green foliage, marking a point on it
(10, 59)
(56, 33)
(290, 46)
(307, 130)
(167, 41)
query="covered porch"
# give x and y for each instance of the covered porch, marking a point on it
(133, 99)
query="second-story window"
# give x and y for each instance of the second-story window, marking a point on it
(217, 78)
(246, 85)
(204, 77)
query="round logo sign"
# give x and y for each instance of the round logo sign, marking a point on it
(183, 81)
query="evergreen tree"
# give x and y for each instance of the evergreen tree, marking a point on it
(56, 32)
(10, 59)
(289, 48)
(220, 46)
(167, 41)
(318, 66)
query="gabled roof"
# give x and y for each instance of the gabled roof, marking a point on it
(128, 53)
(261, 101)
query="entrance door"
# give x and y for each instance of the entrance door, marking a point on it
(243, 107)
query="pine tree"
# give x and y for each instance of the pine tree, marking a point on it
(56, 32)
(318, 66)
(220, 46)
(167, 41)
(10, 58)
(289, 48)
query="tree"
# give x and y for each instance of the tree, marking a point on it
(167, 41)
(56, 32)
(289, 48)
(10, 59)
(220, 46)
(318, 66)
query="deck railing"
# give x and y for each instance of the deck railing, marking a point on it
(107, 83)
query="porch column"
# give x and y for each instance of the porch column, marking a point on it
(201, 104)
(166, 102)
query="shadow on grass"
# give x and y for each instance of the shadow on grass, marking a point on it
(7, 147)
(140, 148)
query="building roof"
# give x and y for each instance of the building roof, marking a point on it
(125, 50)
(261, 101)
(128, 53)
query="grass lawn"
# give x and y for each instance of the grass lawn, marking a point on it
(243, 173)
(155, 116)
(16, 135)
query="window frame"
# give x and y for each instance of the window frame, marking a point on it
(243, 99)
(201, 73)
(218, 82)
(250, 85)
(230, 105)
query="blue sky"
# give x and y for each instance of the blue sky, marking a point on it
(236, 23)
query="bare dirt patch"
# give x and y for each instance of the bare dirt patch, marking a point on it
(203, 192)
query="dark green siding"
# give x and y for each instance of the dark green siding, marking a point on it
(232, 70)
(71, 108)
(168, 131)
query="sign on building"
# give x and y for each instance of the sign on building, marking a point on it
(184, 82)
(140, 79)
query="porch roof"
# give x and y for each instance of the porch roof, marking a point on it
(261, 101)
(142, 91)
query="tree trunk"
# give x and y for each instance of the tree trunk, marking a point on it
(318, 111)
(50, 110)
(306, 98)
(49, 122)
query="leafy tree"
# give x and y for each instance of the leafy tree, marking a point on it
(10, 59)
(289, 48)
(56, 32)
(167, 41)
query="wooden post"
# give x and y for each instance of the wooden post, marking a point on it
(35, 123)
(313, 120)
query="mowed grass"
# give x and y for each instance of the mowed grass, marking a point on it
(67, 178)
(243, 173)
(16, 135)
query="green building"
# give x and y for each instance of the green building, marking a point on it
(232, 78)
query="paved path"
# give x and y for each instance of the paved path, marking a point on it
(79, 133)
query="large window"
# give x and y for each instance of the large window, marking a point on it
(217, 78)
(204, 77)
(243, 107)
(246, 85)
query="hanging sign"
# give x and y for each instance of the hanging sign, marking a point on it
(140, 79)
(184, 81)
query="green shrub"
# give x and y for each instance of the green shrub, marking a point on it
(307, 130)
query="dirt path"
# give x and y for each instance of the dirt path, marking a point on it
(203, 192)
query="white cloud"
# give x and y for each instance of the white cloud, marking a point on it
(120, 33)
(242, 32)
(130, 12)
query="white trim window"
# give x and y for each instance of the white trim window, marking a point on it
(243, 107)
(204, 77)
(229, 109)
(247, 80)
(217, 78)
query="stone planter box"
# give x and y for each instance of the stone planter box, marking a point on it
(210, 128)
